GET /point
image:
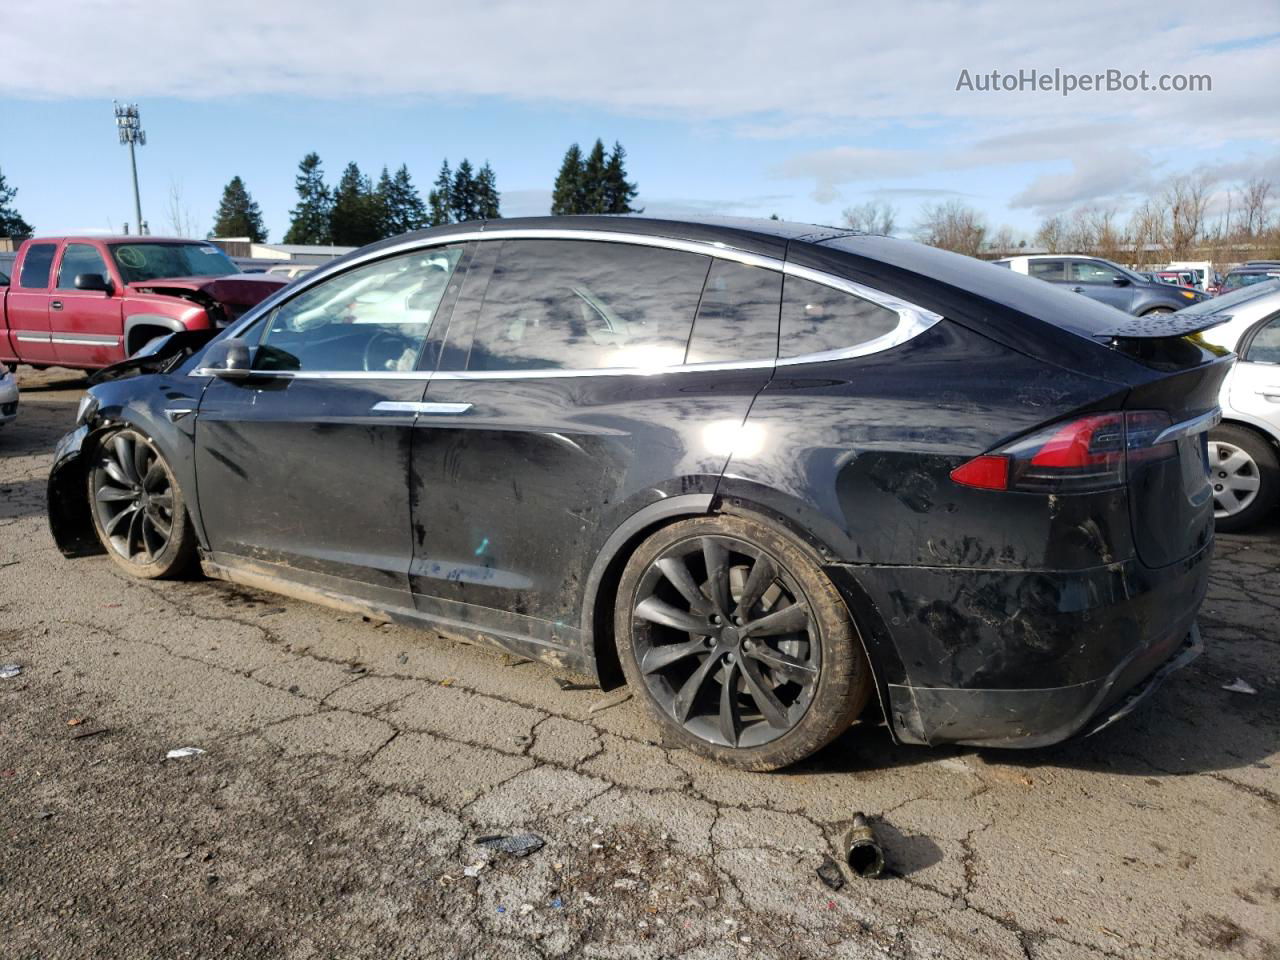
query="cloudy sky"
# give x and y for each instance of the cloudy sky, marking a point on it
(799, 108)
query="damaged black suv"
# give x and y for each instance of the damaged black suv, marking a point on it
(759, 471)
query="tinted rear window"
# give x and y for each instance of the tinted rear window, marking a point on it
(737, 316)
(584, 306)
(36, 265)
(818, 318)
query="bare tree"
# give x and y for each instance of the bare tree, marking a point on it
(1255, 209)
(1147, 232)
(1185, 200)
(181, 221)
(1003, 243)
(873, 216)
(1108, 241)
(952, 226)
(1079, 232)
(1052, 234)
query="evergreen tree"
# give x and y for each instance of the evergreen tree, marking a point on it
(567, 195)
(441, 197)
(238, 215)
(618, 193)
(357, 216)
(11, 222)
(487, 199)
(309, 220)
(382, 203)
(402, 206)
(593, 180)
(464, 199)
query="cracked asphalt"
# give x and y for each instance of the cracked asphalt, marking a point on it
(349, 768)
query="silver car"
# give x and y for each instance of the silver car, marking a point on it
(8, 394)
(1243, 449)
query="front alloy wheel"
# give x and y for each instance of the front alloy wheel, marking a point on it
(739, 643)
(137, 507)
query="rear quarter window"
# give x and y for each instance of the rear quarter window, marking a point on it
(817, 318)
(36, 266)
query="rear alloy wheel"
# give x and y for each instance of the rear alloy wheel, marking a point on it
(739, 643)
(138, 510)
(1245, 475)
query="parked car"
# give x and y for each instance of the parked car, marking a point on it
(1179, 278)
(1244, 451)
(1105, 282)
(88, 302)
(763, 471)
(8, 395)
(1238, 277)
(290, 271)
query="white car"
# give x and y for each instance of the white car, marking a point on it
(1244, 450)
(8, 394)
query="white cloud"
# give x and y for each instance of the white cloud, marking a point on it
(882, 84)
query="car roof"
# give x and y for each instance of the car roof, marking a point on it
(118, 238)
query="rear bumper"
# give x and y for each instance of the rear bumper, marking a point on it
(1022, 658)
(1036, 717)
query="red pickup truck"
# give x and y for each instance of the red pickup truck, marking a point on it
(89, 302)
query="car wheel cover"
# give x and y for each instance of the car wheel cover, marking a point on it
(726, 641)
(1235, 477)
(133, 498)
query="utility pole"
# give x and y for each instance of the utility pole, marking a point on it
(129, 126)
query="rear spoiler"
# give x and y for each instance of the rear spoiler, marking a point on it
(1160, 325)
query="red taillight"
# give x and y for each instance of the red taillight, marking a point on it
(1076, 456)
(988, 472)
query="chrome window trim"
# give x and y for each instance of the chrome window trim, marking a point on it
(912, 319)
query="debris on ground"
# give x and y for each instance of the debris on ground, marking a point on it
(10, 670)
(862, 850)
(1239, 686)
(518, 845)
(75, 721)
(622, 696)
(473, 870)
(402, 659)
(564, 683)
(182, 752)
(83, 734)
(829, 873)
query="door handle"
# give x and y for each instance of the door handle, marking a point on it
(1269, 393)
(55, 305)
(1077, 289)
(424, 409)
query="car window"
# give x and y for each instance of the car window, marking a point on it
(1090, 271)
(35, 266)
(817, 318)
(584, 305)
(1047, 269)
(79, 258)
(737, 315)
(1265, 347)
(142, 262)
(373, 318)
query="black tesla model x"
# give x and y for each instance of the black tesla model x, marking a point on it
(758, 471)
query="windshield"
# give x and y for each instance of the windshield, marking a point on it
(140, 262)
(1234, 298)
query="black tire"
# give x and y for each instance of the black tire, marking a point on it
(1240, 458)
(138, 510)
(792, 688)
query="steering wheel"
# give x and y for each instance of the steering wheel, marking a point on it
(384, 351)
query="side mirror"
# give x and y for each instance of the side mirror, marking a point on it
(228, 359)
(1120, 281)
(93, 281)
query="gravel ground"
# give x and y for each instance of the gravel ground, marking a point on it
(349, 768)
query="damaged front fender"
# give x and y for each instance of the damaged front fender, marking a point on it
(69, 518)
